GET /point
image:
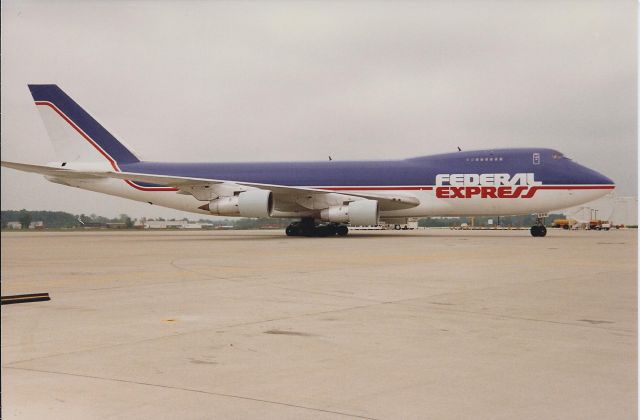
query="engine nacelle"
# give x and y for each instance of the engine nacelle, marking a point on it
(359, 213)
(338, 214)
(254, 203)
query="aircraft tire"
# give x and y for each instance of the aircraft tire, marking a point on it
(342, 230)
(292, 230)
(538, 231)
(323, 231)
(318, 231)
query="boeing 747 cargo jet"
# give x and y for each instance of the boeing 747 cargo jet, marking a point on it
(326, 196)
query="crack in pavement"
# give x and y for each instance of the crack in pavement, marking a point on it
(200, 391)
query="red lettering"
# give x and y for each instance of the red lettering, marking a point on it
(531, 192)
(473, 191)
(518, 191)
(489, 192)
(504, 192)
(458, 192)
(442, 192)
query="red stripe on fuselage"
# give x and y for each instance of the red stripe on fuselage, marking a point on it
(533, 189)
(468, 191)
(100, 149)
(426, 188)
(374, 188)
(574, 187)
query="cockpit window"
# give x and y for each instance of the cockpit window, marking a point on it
(557, 155)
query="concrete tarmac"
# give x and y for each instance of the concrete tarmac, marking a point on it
(433, 324)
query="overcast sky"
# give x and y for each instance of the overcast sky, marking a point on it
(250, 81)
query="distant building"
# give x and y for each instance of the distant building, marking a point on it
(164, 224)
(116, 225)
(33, 225)
(199, 225)
(617, 210)
(175, 224)
(36, 225)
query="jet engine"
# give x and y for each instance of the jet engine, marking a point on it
(253, 203)
(359, 213)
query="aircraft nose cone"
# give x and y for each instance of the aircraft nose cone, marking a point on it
(603, 179)
(590, 176)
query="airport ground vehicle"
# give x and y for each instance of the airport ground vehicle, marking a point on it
(599, 225)
(563, 223)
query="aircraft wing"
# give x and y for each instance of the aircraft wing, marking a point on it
(308, 198)
(46, 170)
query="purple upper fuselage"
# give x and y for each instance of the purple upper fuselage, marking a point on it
(551, 168)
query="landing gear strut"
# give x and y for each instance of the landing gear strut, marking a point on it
(308, 227)
(538, 230)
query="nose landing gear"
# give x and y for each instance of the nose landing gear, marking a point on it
(308, 227)
(538, 230)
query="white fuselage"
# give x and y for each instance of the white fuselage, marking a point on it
(543, 201)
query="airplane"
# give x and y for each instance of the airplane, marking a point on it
(326, 196)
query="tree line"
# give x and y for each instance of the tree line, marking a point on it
(57, 219)
(513, 221)
(62, 220)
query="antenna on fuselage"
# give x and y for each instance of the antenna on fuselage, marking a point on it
(459, 149)
(330, 157)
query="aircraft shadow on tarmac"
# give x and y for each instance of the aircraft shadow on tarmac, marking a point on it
(352, 236)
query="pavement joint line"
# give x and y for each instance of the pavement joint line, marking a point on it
(554, 279)
(254, 276)
(316, 269)
(200, 391)
(494, 315)
(309, 291)
(180, 334)
(212, 277)
(313, 292)
(234, 279)
(401, 302)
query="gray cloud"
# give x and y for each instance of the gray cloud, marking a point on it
(238, 81)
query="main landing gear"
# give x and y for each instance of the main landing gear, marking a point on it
(308, 227)
(538, 230)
